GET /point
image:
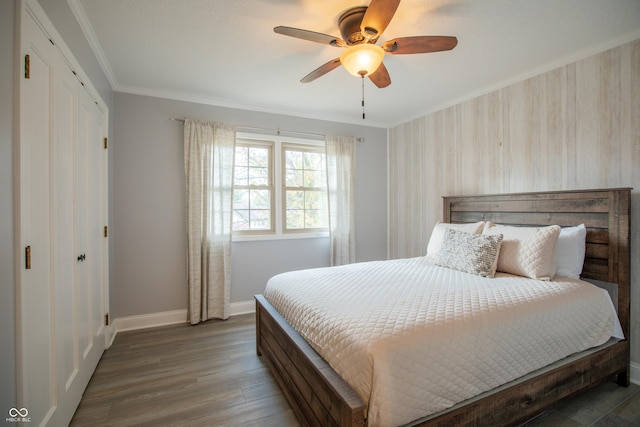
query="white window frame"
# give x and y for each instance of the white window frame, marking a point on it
(278, 186)
(270, 145)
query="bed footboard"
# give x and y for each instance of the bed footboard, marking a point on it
(316, 393)
(517, 403)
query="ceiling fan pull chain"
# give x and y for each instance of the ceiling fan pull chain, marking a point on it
(362, 75)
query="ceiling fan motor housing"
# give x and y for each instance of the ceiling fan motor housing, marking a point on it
(349, 24)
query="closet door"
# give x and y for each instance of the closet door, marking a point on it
(36, 379)
(88, 235)
(67, 366)
(81, 223)
(98, 219)
(62, 284)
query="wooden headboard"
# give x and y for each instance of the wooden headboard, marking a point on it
(604, 212)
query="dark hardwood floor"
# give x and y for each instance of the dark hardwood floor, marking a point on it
(209, 375)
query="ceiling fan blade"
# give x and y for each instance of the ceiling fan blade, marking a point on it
(310, 35)
(377, 17)
(419, 44)
(381, 77)
(321, 70)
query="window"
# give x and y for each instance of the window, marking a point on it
(305, 194)
(279, 186)
(253, 186)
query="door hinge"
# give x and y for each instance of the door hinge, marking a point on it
(106, 142)
(27, 257)
(106, 319)
(106, 231)
(27, 67)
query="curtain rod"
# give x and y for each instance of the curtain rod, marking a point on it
(277, 130)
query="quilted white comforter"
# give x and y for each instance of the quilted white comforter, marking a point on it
(412, 338)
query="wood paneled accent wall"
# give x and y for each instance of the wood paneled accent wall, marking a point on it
(574, 127)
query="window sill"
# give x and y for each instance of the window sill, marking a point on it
(264, 237)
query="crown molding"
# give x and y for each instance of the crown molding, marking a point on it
(92, 39)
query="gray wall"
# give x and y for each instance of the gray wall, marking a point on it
(7, 259)
(148, 234)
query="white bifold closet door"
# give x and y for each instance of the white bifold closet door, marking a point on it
(62, 187)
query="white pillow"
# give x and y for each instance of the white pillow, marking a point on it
(435, 241)
(526, 251)
(570, 249)
(471, 253)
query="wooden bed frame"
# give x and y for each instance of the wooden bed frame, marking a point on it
(319, 397)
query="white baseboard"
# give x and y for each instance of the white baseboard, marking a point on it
(152, 320)
(243, 307)
(634, 373)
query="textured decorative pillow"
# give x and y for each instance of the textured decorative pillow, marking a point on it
(438, 234)
(526, 251)
(471, 253)
(570, 249)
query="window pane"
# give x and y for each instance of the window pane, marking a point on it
(313, 178)
(295, 218)
(315, 218)
(240, 199)
(240, 219)
(260, 219)
(240, 175)
(259, 157)
(260, 199)
(294, 159)
(294, 178)
(241, 156)
(295, 199)
(252, 191)
(313, 161)
(313, 199)
(258, 176)
(305, 207)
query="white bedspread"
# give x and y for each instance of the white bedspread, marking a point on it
(412, 338)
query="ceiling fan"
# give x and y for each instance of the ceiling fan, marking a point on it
(360, 28)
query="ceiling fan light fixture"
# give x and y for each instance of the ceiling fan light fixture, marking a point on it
(362, 60)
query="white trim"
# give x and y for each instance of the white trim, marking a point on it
(243, 307)
(634, 373)
(150, 320)
(153, 320)
(236, 238)
(92, 39)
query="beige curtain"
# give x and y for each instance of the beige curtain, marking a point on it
(208, 161)
(341, 170)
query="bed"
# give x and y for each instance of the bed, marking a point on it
(319, 396)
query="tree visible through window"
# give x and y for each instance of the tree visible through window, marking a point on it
(279, 186)
(253, 187)
(304, 188)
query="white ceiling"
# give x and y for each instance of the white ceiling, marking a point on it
(225, 53)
